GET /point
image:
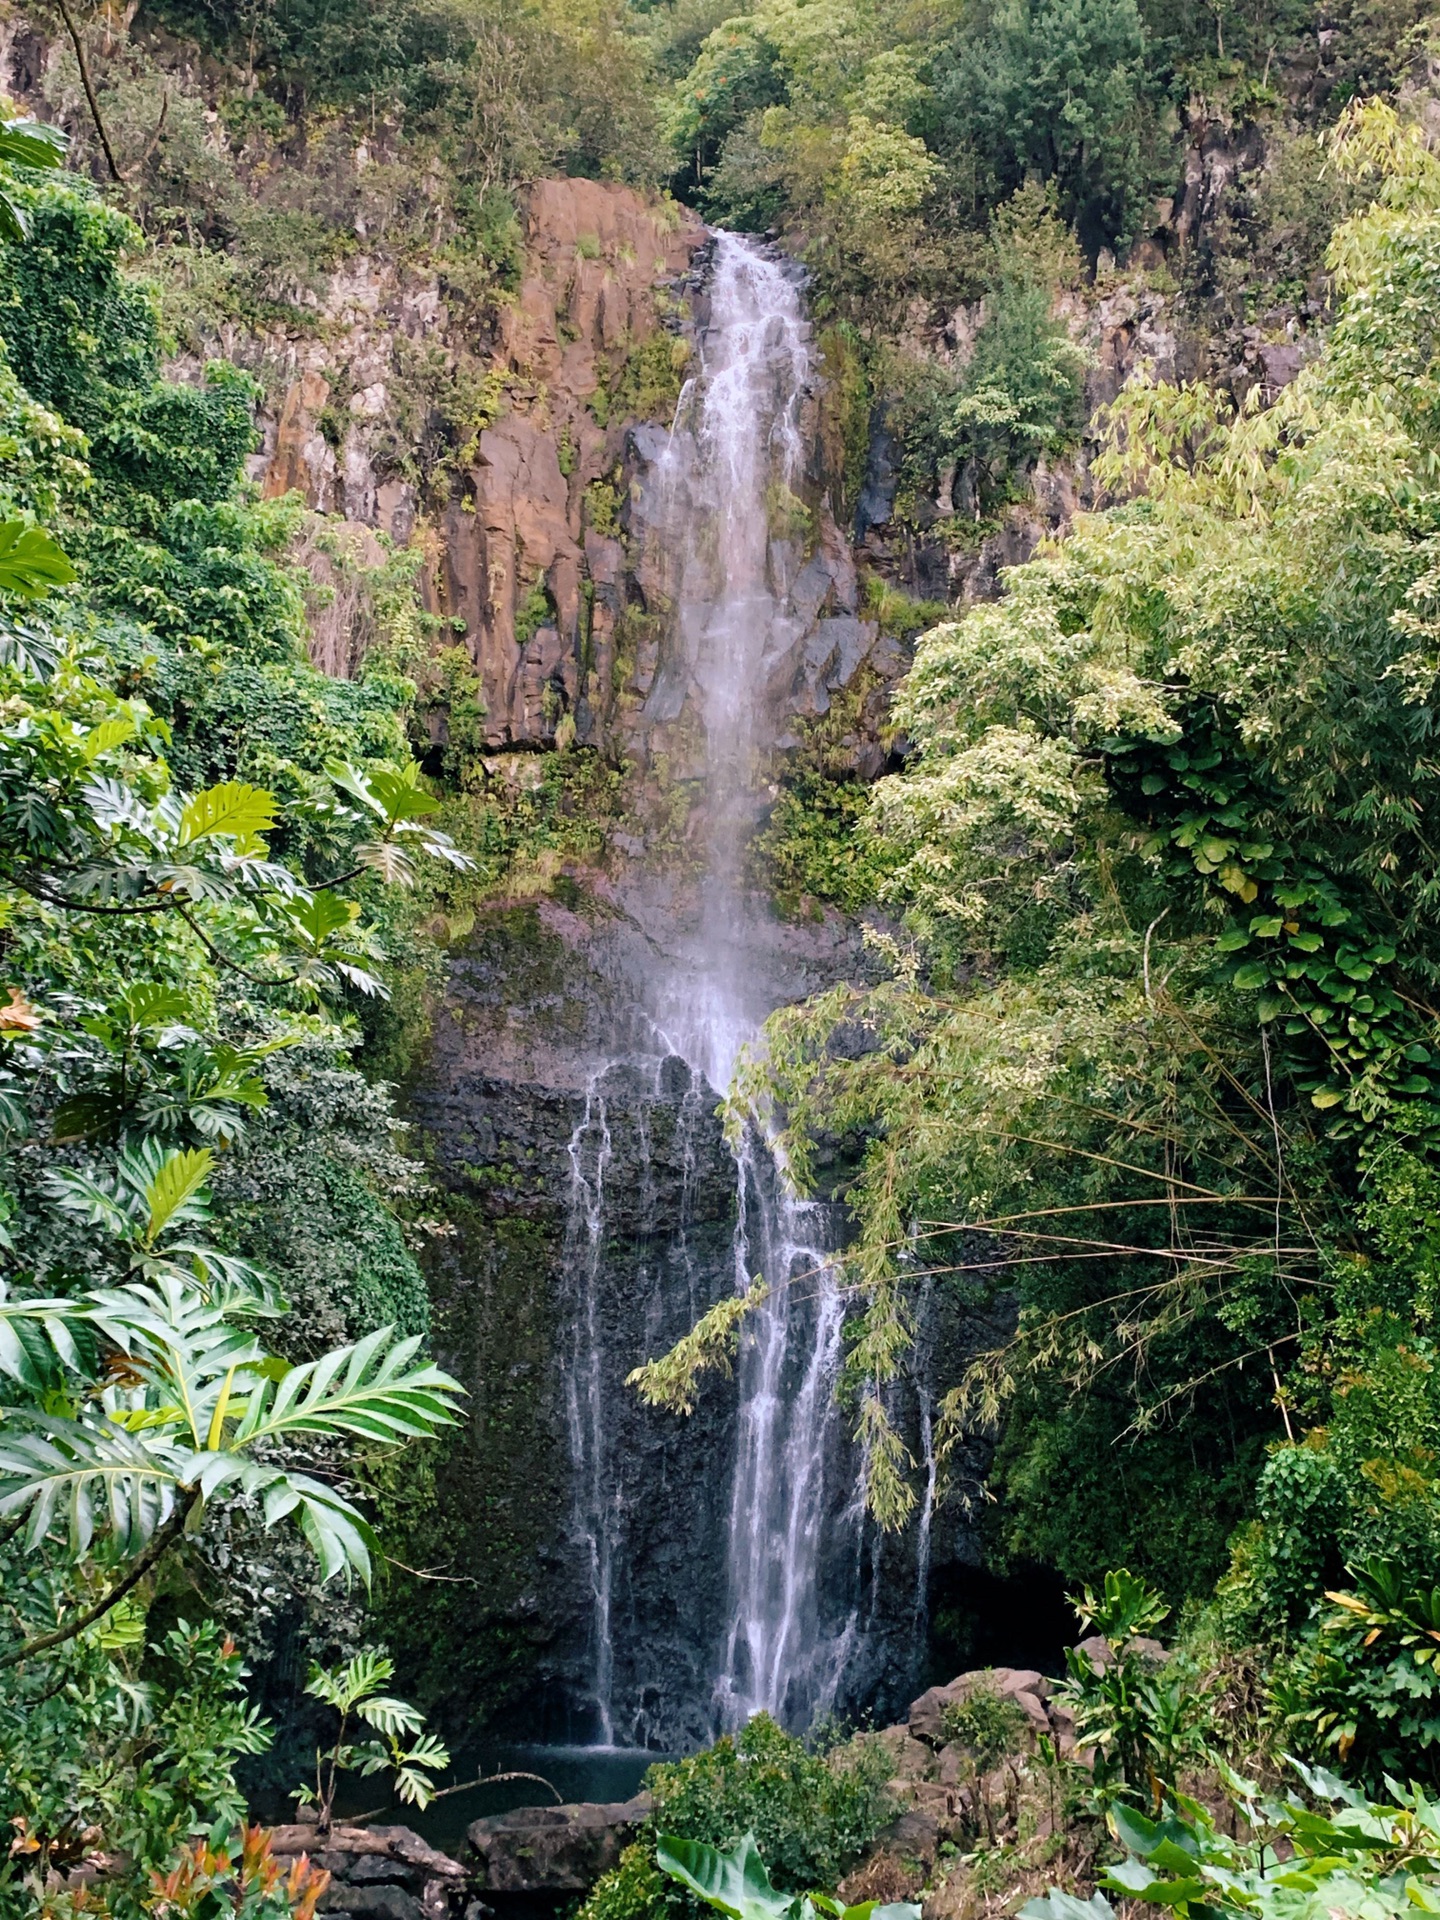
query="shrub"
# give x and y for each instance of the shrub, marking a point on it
(812, 1815)
(1364, 1685)
(986, 1724)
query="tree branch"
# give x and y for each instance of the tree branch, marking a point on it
(161, 1542)
(462, 1786)
(79, 46)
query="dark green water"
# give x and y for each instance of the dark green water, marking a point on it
(576, 1773)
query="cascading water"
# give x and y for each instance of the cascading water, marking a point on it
(596, 1519)
(733, 468)
(729, 530)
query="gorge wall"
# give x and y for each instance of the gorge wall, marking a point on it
(590, 1196)
(591, 1199)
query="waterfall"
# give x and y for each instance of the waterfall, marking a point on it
(732, 475)
(729, 527)
(596, 1519)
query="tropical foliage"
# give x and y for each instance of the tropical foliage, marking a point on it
(172, 927)
(1329, 1852)
(737, 1884)
(809, 1814)
(1157, 1046)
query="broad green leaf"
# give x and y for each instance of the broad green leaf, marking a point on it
(178, 1181)
(240, 812)
(735, 1882)
(1057, 1905)
(390, 1716)
(370, 1389)
(401, 794)
(318, 915)
(83, 1478)
(1133, 1830)
(106, 737)
(154, 1004)
(31, 143)
(30, 1332)
(343, 1687)
(353, 781)
(30, 562)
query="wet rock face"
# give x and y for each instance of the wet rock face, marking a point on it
(540, 1028)
(542, 1050)
(551, 1849)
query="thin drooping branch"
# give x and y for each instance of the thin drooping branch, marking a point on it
(84, 65)
(462, 1786)
(161, 1542)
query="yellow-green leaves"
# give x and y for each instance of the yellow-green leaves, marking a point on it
(672, 1381)
(231, 810)
(108, 735)
(179, 1179)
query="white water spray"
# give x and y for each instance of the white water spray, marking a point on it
(730, 525)
(732, 480)
(596, 1518)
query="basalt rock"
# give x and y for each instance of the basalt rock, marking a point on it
(551, 1850)
(380, 1873)
(1026, 1687)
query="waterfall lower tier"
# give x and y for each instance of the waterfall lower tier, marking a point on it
(596, 1204)
(794, 1501)
(794, 1527)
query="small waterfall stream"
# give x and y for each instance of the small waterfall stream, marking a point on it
(727, 515)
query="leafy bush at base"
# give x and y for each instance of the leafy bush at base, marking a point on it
(812, 1815)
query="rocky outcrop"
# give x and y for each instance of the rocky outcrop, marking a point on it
(554, 1850)
(1028, 1688)
(528, 560)
(543, 553)
(378, 1873)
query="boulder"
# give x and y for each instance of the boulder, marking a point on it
(1026, 1686)
(1096, 1650)
(552, 1849)
(380, 1873)
(1062, 1720)
(911, 1758)
(899, 1865)
(956, 1898)
(381, 1902)
(914, 1836)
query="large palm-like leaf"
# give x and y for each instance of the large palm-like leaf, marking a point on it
(371, 1390)
(198, 1413)
(85, 1476)
(32, 1334)
(149, 1193)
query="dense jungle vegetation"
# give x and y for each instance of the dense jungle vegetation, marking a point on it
(1157, 1052)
